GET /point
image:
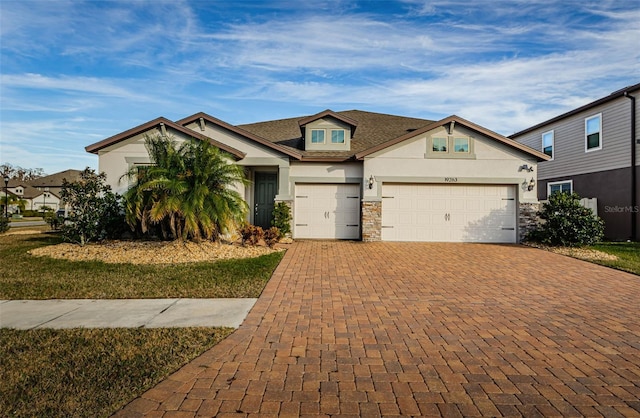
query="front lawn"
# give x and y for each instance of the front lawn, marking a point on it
(90, 372)
(27, 277)
(628, 254)
(95, 372)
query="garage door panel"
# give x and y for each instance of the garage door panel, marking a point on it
(429, 212)
(327, 211)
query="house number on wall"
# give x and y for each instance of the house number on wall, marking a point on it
(450, 179)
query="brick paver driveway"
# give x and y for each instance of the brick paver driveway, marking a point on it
(357, 329)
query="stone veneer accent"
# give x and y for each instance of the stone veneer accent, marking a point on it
(527, 219)
(371, 221)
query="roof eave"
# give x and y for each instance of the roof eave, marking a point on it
(615, 95)
(239, 131)
(454, 118)
(95, 148)
(325, 113)
(312, 159)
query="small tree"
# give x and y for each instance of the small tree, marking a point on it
(565, 222)
(96, 212)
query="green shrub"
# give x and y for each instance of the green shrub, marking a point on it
(282, 218)
(31, 213)
(96, 212)
(565, 222)
(54, 221)
(4, 224)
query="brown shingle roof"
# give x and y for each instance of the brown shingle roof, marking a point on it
(55, 180)
(373, 129)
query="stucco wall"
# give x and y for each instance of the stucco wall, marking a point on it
(409, 162)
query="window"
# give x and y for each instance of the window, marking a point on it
(461, 145)
(565, 186)
(593, 133)
(317, 136)
(337, 136)
(547, 143)
(439, 145)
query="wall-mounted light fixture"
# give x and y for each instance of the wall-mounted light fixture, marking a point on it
(525, 167)
(532, 184)
(370, 182)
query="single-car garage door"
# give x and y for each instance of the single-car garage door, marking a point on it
(327, 211)
(448, 213)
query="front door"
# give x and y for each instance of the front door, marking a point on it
(266, 188)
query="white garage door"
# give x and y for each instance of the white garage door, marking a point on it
(448, 213)
(327, 211)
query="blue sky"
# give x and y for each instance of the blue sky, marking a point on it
(73, 73)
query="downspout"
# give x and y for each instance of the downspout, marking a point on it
(634, 179)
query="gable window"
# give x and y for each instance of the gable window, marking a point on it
(439, 145)
(461, 145)
(547, 143)
(593, 133)
(337, 136)
(317, 136)
(565, 186)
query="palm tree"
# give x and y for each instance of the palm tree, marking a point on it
(187, 191)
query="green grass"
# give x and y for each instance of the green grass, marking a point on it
(628, 254)
(90, 372)
(95, 372)
(27, 277)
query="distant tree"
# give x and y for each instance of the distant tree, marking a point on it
(96, 212)
(19, 173)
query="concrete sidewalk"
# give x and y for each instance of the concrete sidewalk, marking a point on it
(123, 313)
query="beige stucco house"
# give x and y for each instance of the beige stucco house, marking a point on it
(363, 175)
(41, 192)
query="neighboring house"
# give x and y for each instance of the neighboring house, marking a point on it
(43, 191)
(594, 152)
(362, 175)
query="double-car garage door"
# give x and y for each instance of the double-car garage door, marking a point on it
(448, 213)
(410, 212)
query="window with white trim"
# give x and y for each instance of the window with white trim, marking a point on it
(565, 186)
(593, 133)
(317, 136)
(461, 145)
(337, 136)
(439, 145)
(547, 143)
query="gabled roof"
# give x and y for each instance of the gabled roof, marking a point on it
(55, 180)
(30, 192)
(238, 130)
(457, 119)
(373, 129)
(94, 148)
(351, 122)
(615, 95)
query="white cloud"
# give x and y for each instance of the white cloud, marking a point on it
(90, 85)
(114, 64)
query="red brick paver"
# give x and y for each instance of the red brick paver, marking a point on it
(379, 329)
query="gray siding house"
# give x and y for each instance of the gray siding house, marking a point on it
(594, 152)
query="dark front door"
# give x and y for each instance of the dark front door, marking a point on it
(266, 188)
